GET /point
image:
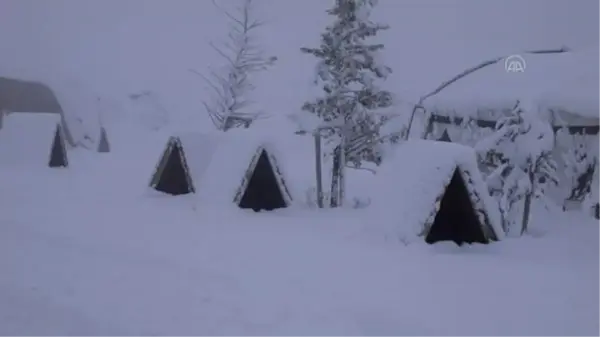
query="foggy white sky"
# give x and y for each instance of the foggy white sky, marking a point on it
(127, 45)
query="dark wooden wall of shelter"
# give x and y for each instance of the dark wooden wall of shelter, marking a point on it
(482, 123)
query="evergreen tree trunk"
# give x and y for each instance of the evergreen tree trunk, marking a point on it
(526, 211)
(318, 161)
(335, 178)
(342, 174)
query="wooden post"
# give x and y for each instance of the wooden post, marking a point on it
(528, 199)
(342, 172)
(410, 121)
(318, 159)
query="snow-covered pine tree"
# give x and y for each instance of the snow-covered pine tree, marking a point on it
(347, 70)
(520, 151)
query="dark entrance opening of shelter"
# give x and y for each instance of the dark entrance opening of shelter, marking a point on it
(263, 191)
(174, 178)
(456, 219)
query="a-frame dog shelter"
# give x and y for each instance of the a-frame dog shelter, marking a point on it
(445, 137)
(33, 139)
(235, 167)
(434, 191)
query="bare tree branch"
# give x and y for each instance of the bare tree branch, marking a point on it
(230, 104)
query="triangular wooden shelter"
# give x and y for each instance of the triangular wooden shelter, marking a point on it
(222, 169)
(436, 192)
(445, 137)
(103, 144)
(58, 152)
(172, 175)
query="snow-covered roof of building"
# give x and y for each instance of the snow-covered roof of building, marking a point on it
(17, 96)
(566, 80)
(412, 178)
(26, 138)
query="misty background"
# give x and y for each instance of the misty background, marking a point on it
(111, 48)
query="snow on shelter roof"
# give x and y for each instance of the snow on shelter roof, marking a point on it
(218, 162)
(26, 138)
(566, 80)
(32, 94)
(414, 175)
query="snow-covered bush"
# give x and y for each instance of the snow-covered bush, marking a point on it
(580, 163)
(519, 154)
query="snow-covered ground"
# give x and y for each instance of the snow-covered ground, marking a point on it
(89, 250)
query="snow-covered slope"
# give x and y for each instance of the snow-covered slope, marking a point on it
(115, 49)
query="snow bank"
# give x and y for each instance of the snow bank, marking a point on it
(413, 176)
(26, 138)
(567, 81)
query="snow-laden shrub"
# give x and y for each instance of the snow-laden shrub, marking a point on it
(519, 154)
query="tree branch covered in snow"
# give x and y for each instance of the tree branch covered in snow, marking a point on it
(347, 70)
(230, 104)
(519, 153)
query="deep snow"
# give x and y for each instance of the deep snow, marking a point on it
(89, 250)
